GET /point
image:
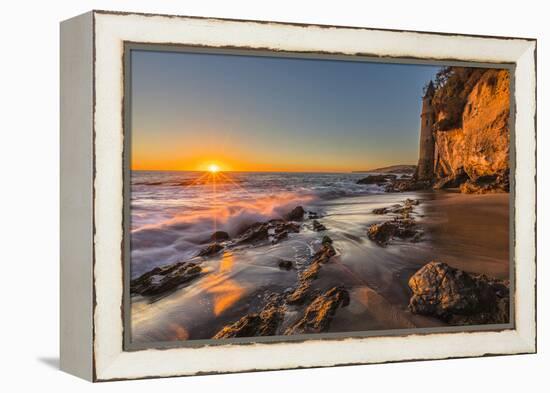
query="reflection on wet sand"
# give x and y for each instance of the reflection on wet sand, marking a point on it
(225, 291)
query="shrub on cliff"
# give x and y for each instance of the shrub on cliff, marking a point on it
(452, 87)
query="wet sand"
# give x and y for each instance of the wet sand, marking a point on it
(469, 232)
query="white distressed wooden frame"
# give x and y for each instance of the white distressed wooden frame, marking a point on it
(91, 195)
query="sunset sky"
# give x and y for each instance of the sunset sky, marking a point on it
(245, 113)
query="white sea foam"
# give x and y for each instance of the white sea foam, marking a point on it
(173, 214)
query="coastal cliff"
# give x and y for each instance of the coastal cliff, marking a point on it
(465, 135)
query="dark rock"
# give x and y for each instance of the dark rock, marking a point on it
(219, 236)
(319, 314)
(297, 214)
(382, 233)
(376, 179)
(412, 202)
(381, 210)
(318, 227)
(402, 185)
(285, 264)
(312, 215)
(451, 181)
(458, 297)
(326, 240)
(163, 279)
(261, 231)
(277, 237)
(402, 226)
(283, 226)
(263, 323)
(212, 249)
(487, 184)
(256, 232)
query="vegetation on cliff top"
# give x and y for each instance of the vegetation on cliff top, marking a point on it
(452, 86)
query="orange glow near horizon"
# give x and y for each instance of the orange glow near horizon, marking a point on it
(203, 155)
(229, 165)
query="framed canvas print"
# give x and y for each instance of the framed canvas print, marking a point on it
(245, 195)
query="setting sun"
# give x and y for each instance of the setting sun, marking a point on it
(213, 168)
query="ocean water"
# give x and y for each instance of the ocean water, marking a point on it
(173, 214)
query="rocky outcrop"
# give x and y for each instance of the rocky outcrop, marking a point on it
(211, 249)
(319, 313)
(262, 323)
(377, 179)
(317, 226)
(303, 291)
(275, 230)
(165, 278)
(297, 214)
(465, 136)
(316, 317)
(402, 225)
(403, 185)
(305, 308)
(457, 297)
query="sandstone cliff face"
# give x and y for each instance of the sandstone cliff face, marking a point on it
(472, 135)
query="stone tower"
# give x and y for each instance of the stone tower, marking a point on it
(425, 170)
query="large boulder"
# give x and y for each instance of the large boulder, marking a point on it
(458, 297)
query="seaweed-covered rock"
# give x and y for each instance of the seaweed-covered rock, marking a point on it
(458, 297)
(166, 278)
(262, 323)
(319, 314)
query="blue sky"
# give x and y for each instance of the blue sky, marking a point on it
(277, 114)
